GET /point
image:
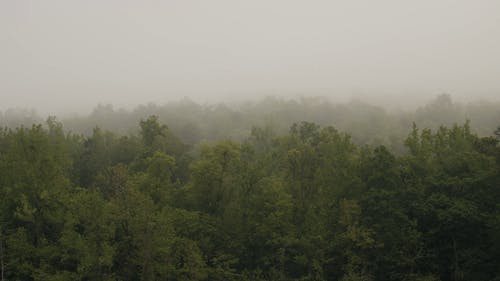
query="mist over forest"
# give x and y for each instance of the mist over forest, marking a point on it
(274, 189)
(195, 123)
(263, 140)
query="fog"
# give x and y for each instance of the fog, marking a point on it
(64, 56)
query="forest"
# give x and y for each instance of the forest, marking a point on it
(272, 190)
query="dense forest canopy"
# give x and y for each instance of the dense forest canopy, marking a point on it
(273, 190)
(263, 140)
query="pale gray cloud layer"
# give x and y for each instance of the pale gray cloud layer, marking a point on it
(63, 54)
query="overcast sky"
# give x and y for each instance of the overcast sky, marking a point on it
(70, 55)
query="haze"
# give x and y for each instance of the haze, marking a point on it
(70, 55)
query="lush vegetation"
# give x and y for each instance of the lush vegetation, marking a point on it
(307, 204)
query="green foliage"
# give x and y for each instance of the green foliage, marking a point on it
(307, 205)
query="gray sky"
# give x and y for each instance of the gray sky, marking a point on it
(67, 55)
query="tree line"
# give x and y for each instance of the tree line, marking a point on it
(309, 204)
(194, 123)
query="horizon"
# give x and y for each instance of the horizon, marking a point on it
(60, 56)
